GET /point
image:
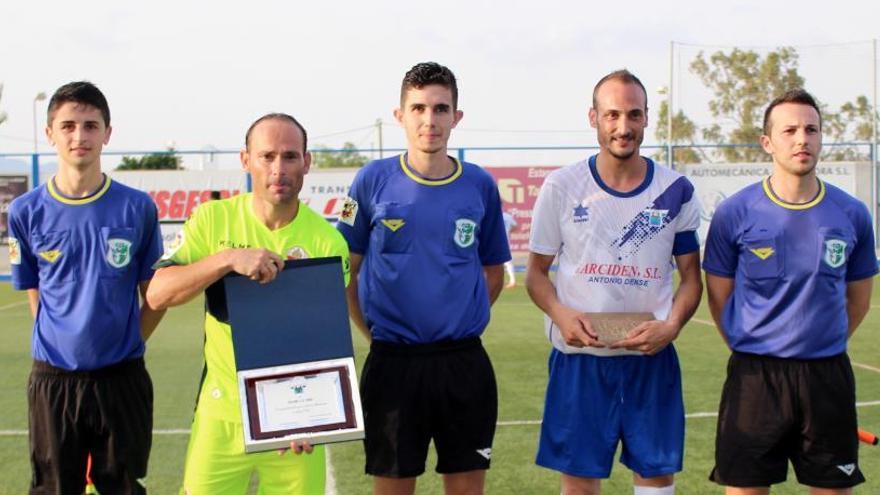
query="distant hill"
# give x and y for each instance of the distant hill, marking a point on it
(22, 165)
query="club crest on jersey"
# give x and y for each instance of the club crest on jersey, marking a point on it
(655, 218)
(14, 251)
(297, 253)
(581, 214)
(118, 252)
(349, 211)
(835, 253)
(465, 230)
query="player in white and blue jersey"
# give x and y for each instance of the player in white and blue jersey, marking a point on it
(83, 246)
(615, 222)
(789, 270)
(427, 248)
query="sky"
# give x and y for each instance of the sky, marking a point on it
(196, 74)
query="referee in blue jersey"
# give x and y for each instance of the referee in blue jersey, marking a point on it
(789, 268)
(82, 246)
(428, 246)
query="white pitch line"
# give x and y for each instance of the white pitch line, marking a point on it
(866, 367)
(13, 305)
(857, 365)
(535, 422)
(330, 482)
(172, 431)
(521, 422)
(703, 322)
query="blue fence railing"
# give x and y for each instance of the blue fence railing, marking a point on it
(864, 149)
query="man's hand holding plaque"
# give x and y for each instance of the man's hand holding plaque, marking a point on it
(632, 331)
(575, 327)
(619, 330)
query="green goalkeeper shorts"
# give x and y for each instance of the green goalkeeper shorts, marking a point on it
(216, 464)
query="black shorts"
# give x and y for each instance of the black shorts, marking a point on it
(774, 410)
(107, 413)
(415, 393)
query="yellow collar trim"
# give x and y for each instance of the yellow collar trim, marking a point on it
(791, 206)
(431, 182)
(77, 201)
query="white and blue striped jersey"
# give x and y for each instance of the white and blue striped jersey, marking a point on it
(615, 249)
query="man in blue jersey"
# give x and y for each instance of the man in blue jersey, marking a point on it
(83, 246)
(614, 222)
(427, 248)
(789, 269)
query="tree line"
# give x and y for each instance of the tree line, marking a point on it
(743, 82)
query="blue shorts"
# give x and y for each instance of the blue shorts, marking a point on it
(593, 402)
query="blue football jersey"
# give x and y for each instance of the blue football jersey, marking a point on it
(790, 264)
(424, 242)
(86, 257)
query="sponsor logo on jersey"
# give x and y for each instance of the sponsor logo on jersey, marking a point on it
(226, 243)
(465, 230)
(297, 253)
(763, 252)
(486, 453)
(655, 218)
(118, 252)
(848, 469)
(835, 253)
(349, 211)
(14, 251)
(393, 224)
(50, 256)
(581, 214)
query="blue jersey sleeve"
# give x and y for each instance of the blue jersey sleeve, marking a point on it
(494, 248)
(687, 222)
(151, 249)
(862, 261)
(722, 252)
(25, 271)
(354, 221)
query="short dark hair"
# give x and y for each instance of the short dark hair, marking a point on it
(277, 116)
(623, 76)
(427, 73)
(797, 95)
(81, 93)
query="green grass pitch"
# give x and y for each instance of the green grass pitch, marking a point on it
(516, 343)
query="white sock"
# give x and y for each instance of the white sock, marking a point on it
(650, 490)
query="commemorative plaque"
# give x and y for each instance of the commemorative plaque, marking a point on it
(294, 356)
(613, 327)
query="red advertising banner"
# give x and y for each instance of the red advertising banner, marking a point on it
(519, 187)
